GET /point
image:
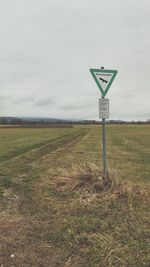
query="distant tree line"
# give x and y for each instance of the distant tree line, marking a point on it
(112, 122)
(46, 121)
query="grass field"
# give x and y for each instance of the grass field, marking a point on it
(50, 213)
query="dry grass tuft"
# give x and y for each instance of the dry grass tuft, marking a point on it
(88, 178)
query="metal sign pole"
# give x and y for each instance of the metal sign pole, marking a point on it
(104, 144)
(104, 147)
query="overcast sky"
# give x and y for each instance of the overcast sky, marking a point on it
(48, 46)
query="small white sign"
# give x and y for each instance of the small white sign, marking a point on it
(103, 108)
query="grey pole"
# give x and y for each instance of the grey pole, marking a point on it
(104, 148)
(104, 145)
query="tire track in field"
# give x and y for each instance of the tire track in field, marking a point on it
(45, 147)
(20, 222)
(22, 150)
(22, 172)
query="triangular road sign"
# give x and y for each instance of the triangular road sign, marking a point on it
(103, 78)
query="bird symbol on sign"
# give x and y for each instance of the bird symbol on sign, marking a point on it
(104, 81)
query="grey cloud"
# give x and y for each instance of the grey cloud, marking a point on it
(47, 48)
(48, 101)
(78, 104)
(25, 99)
(70, 107)
(4, 98)
(33, 100)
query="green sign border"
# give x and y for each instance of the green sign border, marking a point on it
(114, 72)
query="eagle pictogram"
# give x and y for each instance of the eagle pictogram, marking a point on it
(104, 81)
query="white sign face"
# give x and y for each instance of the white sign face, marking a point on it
(103, 79)
(103, 108)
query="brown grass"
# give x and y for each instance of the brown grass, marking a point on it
(46, 236)
(89, 178)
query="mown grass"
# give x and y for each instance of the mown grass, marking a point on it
(14, 142)
(131, 147)
(51, 216)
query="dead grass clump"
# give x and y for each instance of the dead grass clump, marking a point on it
(88, 178)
